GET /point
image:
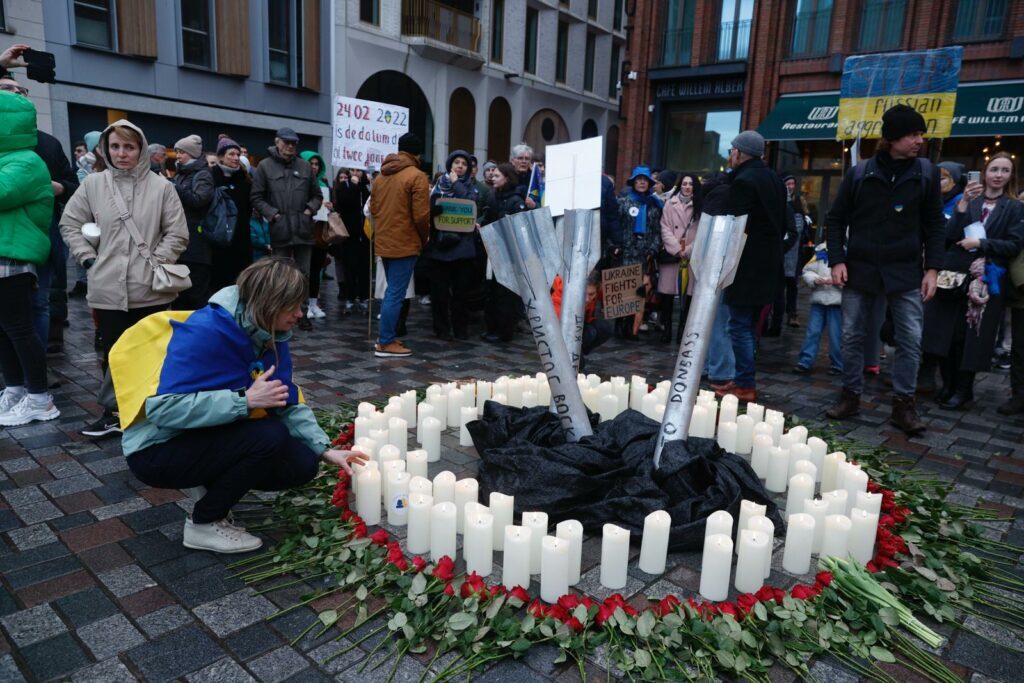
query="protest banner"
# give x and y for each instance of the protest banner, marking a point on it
(365, 132)
(572, 175)
(871, 84)
(620, 290)
(457, 215)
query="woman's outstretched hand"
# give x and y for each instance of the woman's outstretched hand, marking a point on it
(343, 459)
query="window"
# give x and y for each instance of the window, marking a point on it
(811, 24)
(588, 63)
(497, 30)
(369, 11)
(734, 33)
(293, 43)
(196, 37)
(698, 139)
(94, 23)
(613, 74)
(617, 16)
(562, 51)
(592, 9)
(980, 19)
(530, 59)
(677, 43)
(881, 24)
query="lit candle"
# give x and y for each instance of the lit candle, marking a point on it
(378, 421)
(357, 469)
(818, 509)
(501, 507)
(478, 545)
(409, 406)
(614, 556)
(797, 452)
(515, 563)
(621, 391)
(697, 419)
(467, 416)
(712, 418)
(748, 510)
(659, 413)
(837, 536)
(416, 462)
(365, 409)
(608, 407)
(500, 398)
(836, 501)
(718, 522)
(818, 450)
(727, 436)
(444, 488)
(368, 502)
(515, 397)
(393, 408)
(530, 399)
(765, 526)
(752, 551)
(418, 484)
(433, 389)
(759, 455)
(799, 434)
(537, 523)
(654, 543)
(647, 404)
(796, 558)
(863, 527)
(362, 426)
(729, 409)
(432, 438)
(764, 428)
(466, 491)
(855, 481)
(778, 470)
(804, 467)
(801, 489)
(387, 453)
(829, 470)
(398, 434)
(543, 391)
(716, 567)
(380, 436)
(455, 398)
(423, 411)
(777, 422)
(571, 531)
(554, 568)
(440, 403)
(869, 502)
(387, 467)
(418, 538)
(500, 387)
(398, 502)
(756, 412)
(483, 394)
(442, 531)
(744, 434)
(637, 390)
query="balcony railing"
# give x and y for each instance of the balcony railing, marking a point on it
(810, 33)
(677, 46)
(439, 22)
(733, 41)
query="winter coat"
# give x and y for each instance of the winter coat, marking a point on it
(611, 226)
(400, 205)
(822, 295)
(678, 228)
(790, 259)
(120, 279)
(231, 260)
(884, 229)
(195, 187)
(26, 197)
(757, 192)
(464, 187)
(640, 247)
(286, 189)
(505, 202)
(83, 167)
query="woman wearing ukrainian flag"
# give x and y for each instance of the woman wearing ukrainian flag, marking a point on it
(207, 400)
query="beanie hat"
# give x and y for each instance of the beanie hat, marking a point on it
(224, 143)
(92, 138)
(750, 142)
(455, 155)
(411, 143)
(954, 170)
(488, 166)
(667, 178)
(191, 145)
(901, 120)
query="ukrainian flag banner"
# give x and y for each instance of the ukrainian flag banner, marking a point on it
(185, 352)
(871, 84)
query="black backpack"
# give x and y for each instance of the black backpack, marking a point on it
(218, 225)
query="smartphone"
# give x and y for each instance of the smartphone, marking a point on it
(974, 176)
(41, 66)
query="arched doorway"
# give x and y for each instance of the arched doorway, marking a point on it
(392, 87)
(461, 121)
(546, 127)
(611, 150)
(499, 130)
(589, 129)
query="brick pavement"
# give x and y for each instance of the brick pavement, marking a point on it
(95, 585)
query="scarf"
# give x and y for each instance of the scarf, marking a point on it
(642, 201)
(228, 171)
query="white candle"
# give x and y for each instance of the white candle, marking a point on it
(744, 434)
(358, 468)
(433, 389)
(409, 406)
(799, 434)
(398, 502)
(378, 421)
(697, 419)
(393, 408)
(797, 452)
(727, 412)
(500, 398)
(785, 441)
(805, 467)
(654, 543)
(515, 395)
(818, 449)
(836, 501)
(855, 481)
(543, 391)
(478, 545)
(515, 562)
(718, 522)
(716, 567)
(466, 491)
(380, 436)
(869, 502)
(829, 469)
(608, 407)
(444, 488)
(368, 502)
(796, 558)
(455, 397)
(500, 386)
(759, 455)
(387, 467)
(621, 391)
(388, 453)
(537, 523)
(440, 402)
(752, 551)
(614, 556)
(442, 531)
(863, 527)
(432, 438)
(423, 411)
(766, 527)
(777, 423)
(841, 471)
(398, 434)
(748, 510)
(801, 489)
(530, 399)
(647, 404)
(756, 412)
(365, 409)
(501, 507)
(837, 536)
(778, 470)
(467, 415)
(637, 390)
(416, 462)
(418, 538)
(420, 484)
(727, 436)
(362, 426)
(571, 531)
(483, 394)
(659, 413)
(818, 509)
(554, 568)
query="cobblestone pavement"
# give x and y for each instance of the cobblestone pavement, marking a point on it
(96, 586)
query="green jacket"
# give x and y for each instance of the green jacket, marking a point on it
(321, 176)
(26, 197)
(170, 415)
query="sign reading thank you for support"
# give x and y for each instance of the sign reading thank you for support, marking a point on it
(365, 132)
(457, 215)
(620, 290)
(871, 84)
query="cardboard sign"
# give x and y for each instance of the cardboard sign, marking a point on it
(365, 132)
(619, 286)
(572, 175)
(457, 215)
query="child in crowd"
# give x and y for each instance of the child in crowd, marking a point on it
(826, 309)
(596, 330)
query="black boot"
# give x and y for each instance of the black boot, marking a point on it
(964, 394)
(926, 376)
(949, 378)
(666, 318)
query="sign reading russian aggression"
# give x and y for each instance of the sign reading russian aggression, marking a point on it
(871, 84)
(365, 132)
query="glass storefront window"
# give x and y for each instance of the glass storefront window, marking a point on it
(698, 140)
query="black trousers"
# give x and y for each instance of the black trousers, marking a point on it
(1017, 352)
(595, 334)
(355, 259)
(502, 311)
(111, 325)
(198, 295)
(229, 460)
(22, 356)
(316, 267)
(450, 285)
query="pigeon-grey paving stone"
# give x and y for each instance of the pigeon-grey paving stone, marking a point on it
(235, 611)
(45, 571)
(33, 625)
(107, 671)
(278, 665)
(55, 657)
(108, 637)
(39, 512)
(70, 485)
(126, 580)
(204, 585)
(85, 607)
(153, 548)
(157, 623)
(221, 671)
(253, 641)
(29, 537)
(340, 663)
(9, 670)
(174, 655)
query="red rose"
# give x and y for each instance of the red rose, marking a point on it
(348, 516)
(746, 602)
(473, 585)
(359, 530)
(379, 537)
(765, 594)
(568, 601)
(558, 612)
(872, 567)
(587, 602)
(604, 613)
(802, 592)
(536, 608)
(666, 605)
(395, 555)
(519, 593)
(419, 564)
(823, 578)
(400, 564)
(729, 608)
(449, 590)
(575, 624)
(445, 569)
(497, 590)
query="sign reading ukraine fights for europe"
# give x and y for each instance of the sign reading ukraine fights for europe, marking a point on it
(925, 80)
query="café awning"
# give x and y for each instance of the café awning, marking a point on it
(981, 110)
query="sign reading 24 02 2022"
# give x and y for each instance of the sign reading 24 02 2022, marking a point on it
(365, 132)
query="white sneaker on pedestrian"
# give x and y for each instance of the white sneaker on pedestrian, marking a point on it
(316, 312)
(425, 300)
(219, 537)
(26, 410)
(10, 398)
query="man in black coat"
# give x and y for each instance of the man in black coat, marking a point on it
(756, 192)
(884, 217)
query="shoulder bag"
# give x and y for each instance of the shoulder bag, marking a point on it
(335, 231)
(168, 278)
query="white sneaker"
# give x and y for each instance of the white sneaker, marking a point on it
(219, 537)
(425, 300)
(316, 312)
(25, 411)
(9, 399)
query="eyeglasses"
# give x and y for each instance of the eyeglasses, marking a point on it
(526, 158)
(17, 89)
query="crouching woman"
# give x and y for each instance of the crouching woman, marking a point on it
(218, 408)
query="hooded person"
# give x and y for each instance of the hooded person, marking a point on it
(950, 176)
(195, 187)
(640, 219)
(319, 256)
(120, 279)
(87, 162)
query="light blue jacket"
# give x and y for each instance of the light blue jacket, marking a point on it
(169, 415)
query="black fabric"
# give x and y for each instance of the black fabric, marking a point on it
(194, 183)
(22, 356)
(610, 477)
(757, 192)
(230, 261)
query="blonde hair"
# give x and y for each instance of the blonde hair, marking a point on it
(1011, 185)
(126, 133)
(270, 286)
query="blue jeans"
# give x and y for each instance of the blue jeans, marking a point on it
(908, 319)
(721, 363)
(742, 320)
(398, 271)
(820, 316)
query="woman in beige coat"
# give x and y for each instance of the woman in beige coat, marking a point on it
(679, 221)
(120, 279)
